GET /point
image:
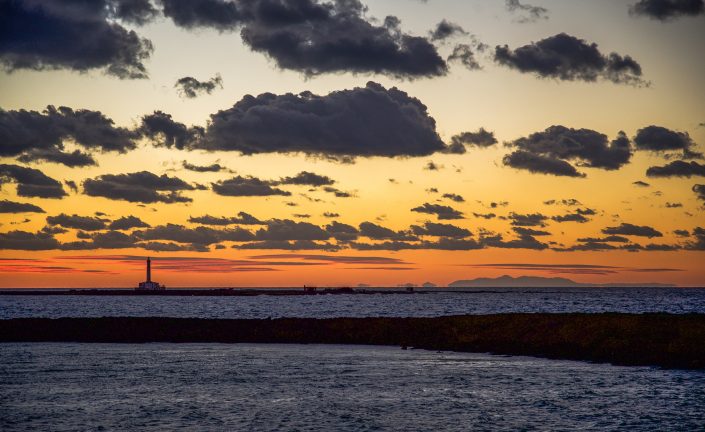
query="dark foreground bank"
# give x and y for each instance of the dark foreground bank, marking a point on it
(665, 340)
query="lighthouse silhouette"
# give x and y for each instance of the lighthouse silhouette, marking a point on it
(148, 285)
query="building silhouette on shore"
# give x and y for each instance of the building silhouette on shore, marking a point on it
(149, 285)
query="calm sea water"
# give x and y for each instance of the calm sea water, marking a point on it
(335, 388)
(673, 300)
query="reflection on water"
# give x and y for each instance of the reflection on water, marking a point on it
(312, 387)
(672, 300)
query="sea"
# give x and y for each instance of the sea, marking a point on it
(252, 387)
(438, 303)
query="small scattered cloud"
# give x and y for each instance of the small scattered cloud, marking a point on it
(189, 87)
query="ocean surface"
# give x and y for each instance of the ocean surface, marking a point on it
(203, 387)
(486, 301)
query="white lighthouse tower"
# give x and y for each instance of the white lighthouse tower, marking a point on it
(148, 285)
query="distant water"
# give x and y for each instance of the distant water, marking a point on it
(633, 300)
(203, 387)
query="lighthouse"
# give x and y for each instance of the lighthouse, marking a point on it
(148, 284)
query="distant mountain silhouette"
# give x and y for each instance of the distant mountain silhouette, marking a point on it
(540, 282)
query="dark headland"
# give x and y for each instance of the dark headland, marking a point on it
(665, 340)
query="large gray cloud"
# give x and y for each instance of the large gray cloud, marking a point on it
(552, 150)
(660, 140)
(162, 130)
(315, 37)
(633, 230)
(285, 229)
(664, 10)
(31, 182)
(142, 187)
(568, 58)
(74, 35)
(442, 212)
(24, 240)
(699, 191)
(369, 121)
(85, 223)
(440, 230)
(677, 169)
(240, 186)
(305, 178)
(7, 206)
(128, 222)
(36, 136)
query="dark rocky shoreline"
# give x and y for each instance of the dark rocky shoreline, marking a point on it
(664, 340)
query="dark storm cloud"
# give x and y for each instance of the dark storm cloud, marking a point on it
(71, 159)
(315, 37)
(440, 230)
(665, 10)
(85, 223)
(327, 37)
(528, 220)
(79, 36)
(524, 241)
(203, 168)
(628, 229)
(521, 231)
(202, 236)
(549, 151)
(568, 58)
(342, 232)
(23, 240)
(285, 229)
(217, 14)
(660, 139)
(7, 206)
(454, 197)
(163, 131)
(580, 216)
(246, 186)
(305, 178)
(143, 187)
(369, 121)
(699, 191)
(36, 136)
(378, 232)
(242, 218)
(31, 182)
(442, 212)
(482, 138)
(540, 164)
(190, 87)
(446, 29)
(127, 222)
(677, 169)
(606, 239)
(102, 240)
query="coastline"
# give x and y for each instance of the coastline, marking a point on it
(663, 340)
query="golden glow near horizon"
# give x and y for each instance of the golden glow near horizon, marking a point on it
(384, 190)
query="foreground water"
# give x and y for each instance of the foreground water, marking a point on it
(589, 300)
(313, 387)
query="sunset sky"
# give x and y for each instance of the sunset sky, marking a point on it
(336, 143)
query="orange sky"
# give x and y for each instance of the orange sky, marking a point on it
(489, 196)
